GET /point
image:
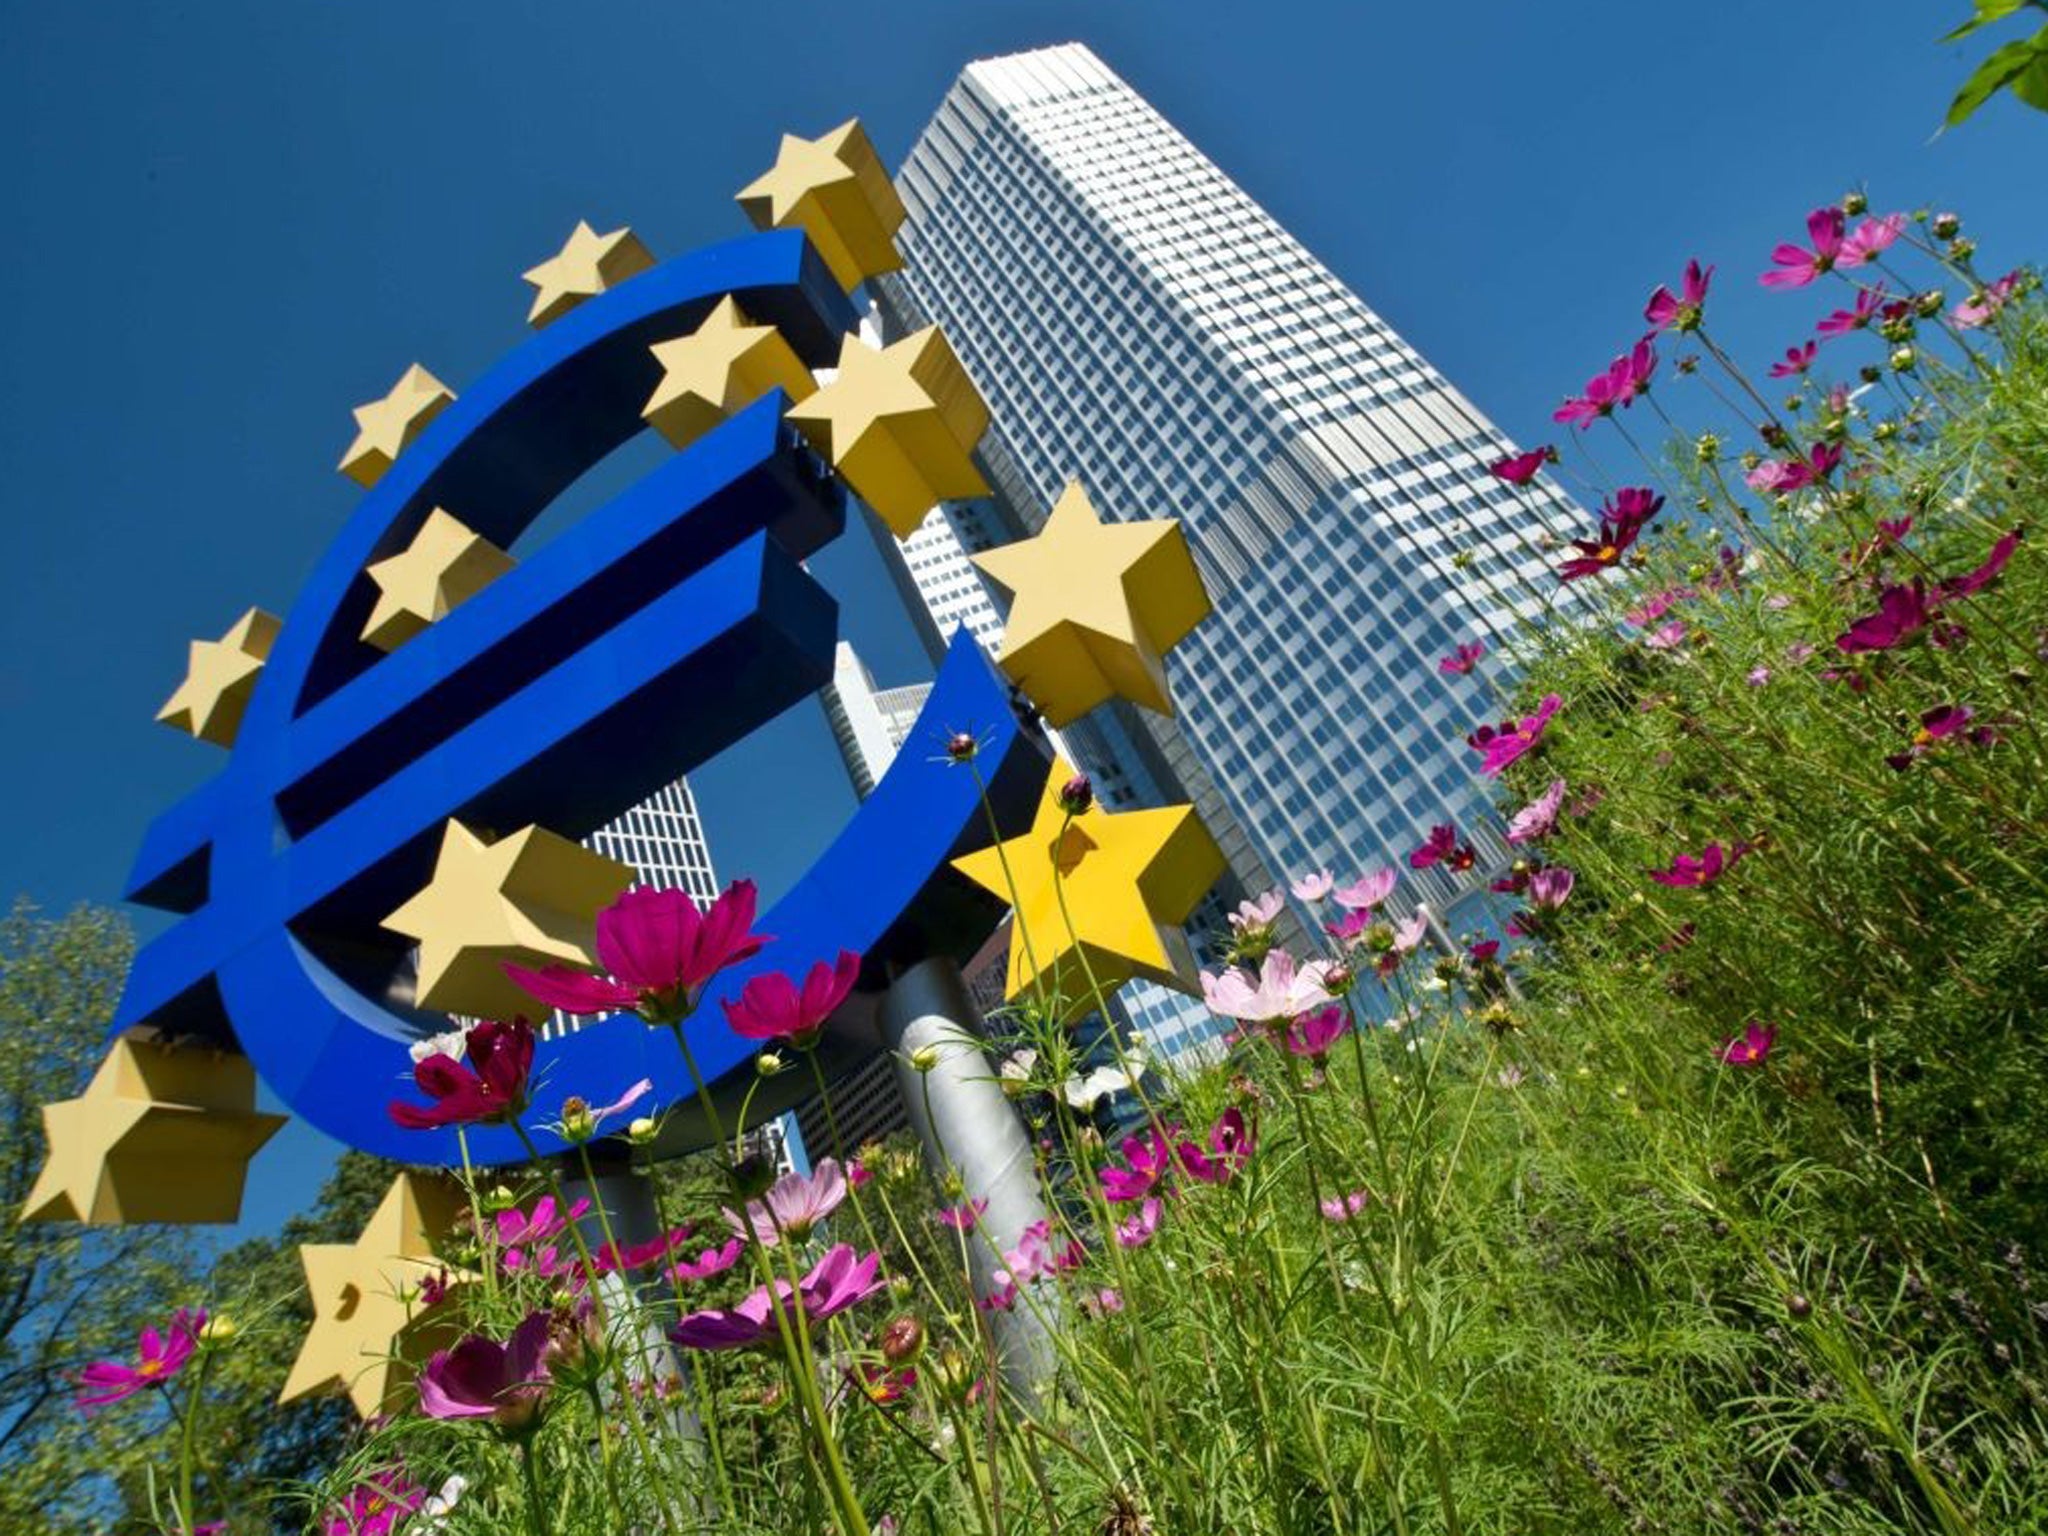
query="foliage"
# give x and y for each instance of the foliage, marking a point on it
(2020, 66)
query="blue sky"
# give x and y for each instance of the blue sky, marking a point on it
(236, 220)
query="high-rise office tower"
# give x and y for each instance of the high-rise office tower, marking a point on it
(1138, 323)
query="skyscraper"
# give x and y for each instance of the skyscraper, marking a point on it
(1135, 321)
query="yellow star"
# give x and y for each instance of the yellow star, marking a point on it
(588, 265)
(531, 898)
(219, 679)
(899, 425)
(384, 427)
(1097, 606)
(160, 1134)
(369, 1335)
(835, 189)
(447, 563)
(1124, 878)
(727, 362)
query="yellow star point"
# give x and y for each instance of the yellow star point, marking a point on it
(220, 678)
(369, 1334)
(836, 190)
(583, 268)
(1126, 878)
(899, 424)
(446, 564)
(1096, 608)
(531, 898)
(385, 427)
(160, 1134)
(726, 363)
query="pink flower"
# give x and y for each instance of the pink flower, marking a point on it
(1982, 577)
(1687, 871)
(1749, 1048)
(482, 1379)
(660, 952)
(1617, 385)
(1367, 892)
(1980, 309)
(490, 1092)
(712, 1261)
(1656, 605)
(1313, 1034)
(1149, 1159)
(857, 1174)
(1902, 613)
(1621, 523)
(1344, 1207)
(962, 1218)
(376, 1506)
(836, 1282)
(1281, 991)
(1538, 819)
(771, 1007)
(1229, 1148)
(1821, 461)
(1667, 636)
(1797, 360)
(1462, 660)
(1873, 237)
(1313, 887)
(1770, 477)
(1858, 318)
(1258, 913)
(517, 1229)
(1936, 726)
(1681, 311)
(1550, 887)
(1501, 745)
(1523, 467)
(1442, 847)
(1138, 1230)
(158, 1357)
(1794, 265)
(1105, 1301)
(611, 1257)
(1034, 1258)
(1756, 677)
(794, 1204)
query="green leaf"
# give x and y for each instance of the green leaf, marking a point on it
(2000, 69)
(1988, 11)
(2031, 83)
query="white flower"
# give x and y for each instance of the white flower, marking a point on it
(452, 1045)
(1083, 1092)
(434, 1512)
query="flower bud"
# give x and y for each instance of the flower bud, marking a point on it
(1885, 431)
(499, 1198)
(1687, 364)
(961, 747)
(1707, 449)
(641, 1131)
(924, 1059)
(1338, 980)
(217, 1329)
(1798, 1306)
(1902, 359)
(1946, 226)
(1077, 795)
(1870, 373)
(1963, 249)
(1854, 203)
(767, 1064)
(902, 1340)
(1928, 304)
(578, 1123)
(900, 1288)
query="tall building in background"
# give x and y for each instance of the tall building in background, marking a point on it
(1136, 322)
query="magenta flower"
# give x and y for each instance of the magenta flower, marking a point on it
(1281, 991)
(1770, 477)
(1797, 360)
(772, 1007)
(1656, 605)
(1034, 1258)
(1442, 847)
(1313, 1034)
(1229, 1148)
(1902, 613)
(488, 1092)
(1982, 577)
(1462, 660)
(1757, 676)
(1681, 311)
(517, 1229)
(1550, 887)
(1313, 887)
(1501, 745)
(1821, 461)
(1523, 467)
(1538, 819)
(836, 1282)
(158, 1358)
(1873, 237)
(1367, 892)
(376, 1506)
(1857, 318)
(712, 1261)
(1749, 1048)
(1794, 266)
(1621, 521)
(1666, 636)
(962, 1218)
(1149, 1159)
(1617, 385)
(1980, 309)
(660, 952)
(482, 1379)
(1710, 865)
(1138, 1230)
(1344, 1207)
(1936, 726)
(794, 1204)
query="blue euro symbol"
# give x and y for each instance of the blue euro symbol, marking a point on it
(664, 626)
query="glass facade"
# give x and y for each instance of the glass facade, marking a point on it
(1135, 321)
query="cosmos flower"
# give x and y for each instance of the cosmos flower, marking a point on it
(1035, 1258)
(1621, 522)
(1690, 871)
(1902, 613)
(1982, 577)
(1856, 318)
(962, 1218)
(1538, 819)
(1523, 467)
(1617, 385)
(1313, 1034)
(1344, 1207)
(1749, 1048)
(1137, 1230)
(1498, 746)
(1442, 847)
(1794, 266)
(839, 1280)
(1313, 887)
(1797, 360)
(1123, 1076)
(1656, 605)
(1980, 309)
(712, 1261)
(1872, 238)
(660, 951)
(482, 1379)
(1229, 1148)
(376, 1506)
(1462, 660)
(794, 1204)
(159, 1356)
(489, 1091)
(1367, 892)
(518, 1229)
(772, 1007)
(1148, 1159)
(1281, 991)
(1936, 726)
(1550, 887)
(1681, 311)
(1667, 636)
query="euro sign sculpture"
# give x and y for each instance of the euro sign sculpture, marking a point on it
(661, 628)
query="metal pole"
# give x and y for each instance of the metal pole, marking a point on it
(967, 1126)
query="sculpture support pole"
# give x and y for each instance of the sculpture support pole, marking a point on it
(967, 1126)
